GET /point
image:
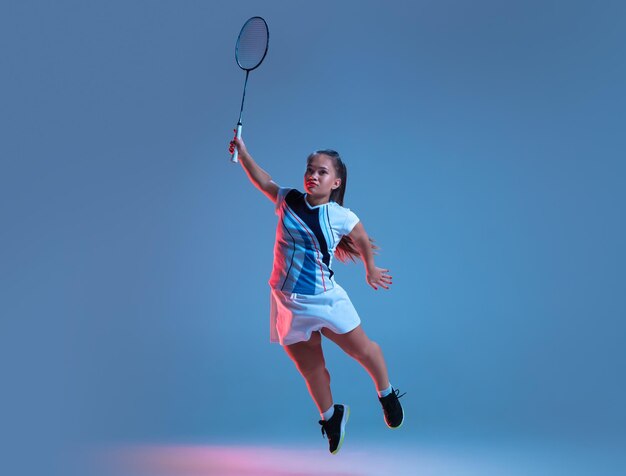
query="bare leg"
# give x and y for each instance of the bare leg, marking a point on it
(309, 359)
(365, 351)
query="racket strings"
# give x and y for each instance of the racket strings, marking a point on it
(252, 44)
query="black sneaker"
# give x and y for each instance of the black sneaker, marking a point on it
(335, 428)
(394, 415)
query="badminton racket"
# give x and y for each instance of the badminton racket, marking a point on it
(250, 51)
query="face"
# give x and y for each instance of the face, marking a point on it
(320, 178)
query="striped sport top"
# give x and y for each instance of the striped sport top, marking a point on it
(306, 239)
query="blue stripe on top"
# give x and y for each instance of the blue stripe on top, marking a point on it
(306, 280)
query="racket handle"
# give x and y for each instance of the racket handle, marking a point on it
(235, 155)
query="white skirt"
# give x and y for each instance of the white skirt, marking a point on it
(293, 316)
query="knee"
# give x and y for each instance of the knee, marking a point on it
(367, 352)
(311, 365)
(310, 369)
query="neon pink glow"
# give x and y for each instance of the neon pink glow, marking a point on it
(477, 458)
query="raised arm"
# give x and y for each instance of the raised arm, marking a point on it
(375, 276)
(259, 177)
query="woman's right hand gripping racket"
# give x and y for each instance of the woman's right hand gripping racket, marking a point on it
(250, 52)
(237, 146)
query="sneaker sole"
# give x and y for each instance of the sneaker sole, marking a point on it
(344, 420)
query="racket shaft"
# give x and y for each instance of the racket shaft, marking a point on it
(235, 155)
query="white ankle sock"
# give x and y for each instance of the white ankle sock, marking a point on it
(385, 392)
(328, 414)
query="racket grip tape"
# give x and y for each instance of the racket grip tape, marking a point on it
(234, 158)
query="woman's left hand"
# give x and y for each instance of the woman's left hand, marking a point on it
(379, 277)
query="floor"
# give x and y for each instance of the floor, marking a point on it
(363, 458)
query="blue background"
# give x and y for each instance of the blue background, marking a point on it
(485, 150)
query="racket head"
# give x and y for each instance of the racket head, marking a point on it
(252, 44)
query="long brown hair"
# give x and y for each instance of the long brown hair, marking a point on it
(346, 249)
